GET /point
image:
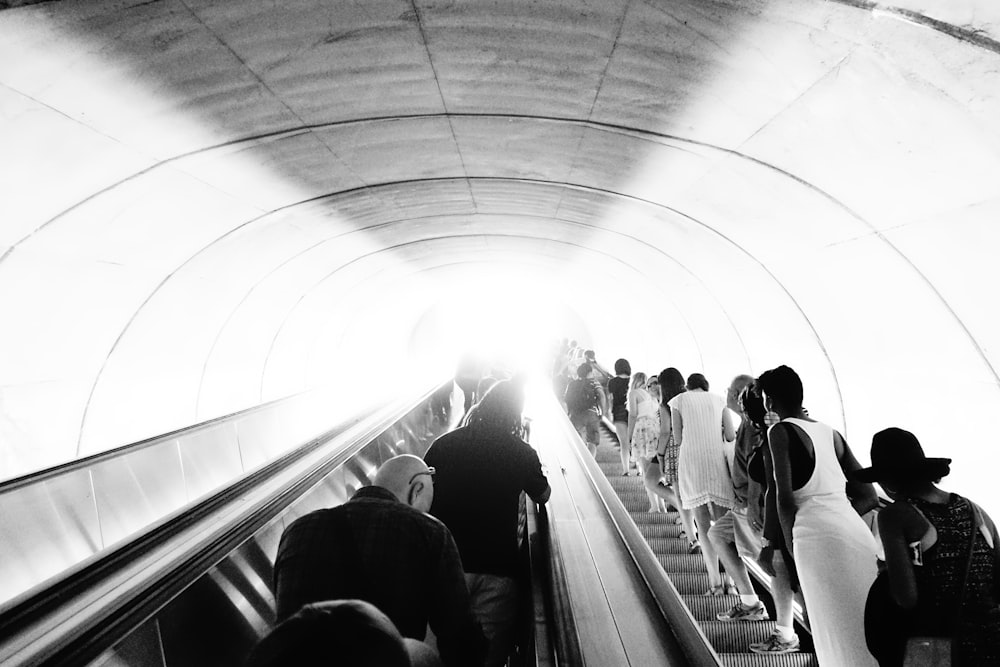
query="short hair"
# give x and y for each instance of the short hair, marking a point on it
(623, 367)
(590, 354)
(783, 385)
(697, 381)
(351, 633)
(583, 370)
(671, 384)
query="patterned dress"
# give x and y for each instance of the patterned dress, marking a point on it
(939, 581)
(646, 433)
(702, 466)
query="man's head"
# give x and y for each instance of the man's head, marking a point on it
(409, 479)
(782, 390)
(590, 356)
(733, 393)
(583, 370)
(341, 632)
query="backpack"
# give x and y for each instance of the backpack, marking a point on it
(581, 396)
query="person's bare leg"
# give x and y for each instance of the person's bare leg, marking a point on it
(781, 591)
(703, 520)
(650, 479)
(734, 565)
(621, 429)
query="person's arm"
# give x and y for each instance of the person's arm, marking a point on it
(728, 432)
(633, 410)
(677, 424)
(862, 494)
(535, 484)
(777, 439)
(902, 579)
(460, 638)
(603, 400)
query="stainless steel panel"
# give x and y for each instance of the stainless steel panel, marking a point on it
(142, 648)
(46, 528)
(210, 458)
(204, 627)
(136, 490)
(260, 438)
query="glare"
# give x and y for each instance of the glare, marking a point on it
(128, 311)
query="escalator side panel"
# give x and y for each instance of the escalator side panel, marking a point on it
(217, 620)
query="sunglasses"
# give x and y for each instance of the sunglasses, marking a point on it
(430, 471)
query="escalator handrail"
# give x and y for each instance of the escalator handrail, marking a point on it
(46, 474)
(696, 645)
(72, 618)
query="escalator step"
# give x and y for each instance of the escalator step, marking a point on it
(682, 563)
(705, 607)
(690, 583)
(755, 660)
(668, 545)
(660, 530)
(728, 637)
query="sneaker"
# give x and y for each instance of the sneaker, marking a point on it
(774, 645)
(742, 612)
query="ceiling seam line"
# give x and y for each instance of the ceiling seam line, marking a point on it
(597, 95)
(259, 79)
(444, 104)
(648, 135)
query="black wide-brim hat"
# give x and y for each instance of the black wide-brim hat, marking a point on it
(898, 456)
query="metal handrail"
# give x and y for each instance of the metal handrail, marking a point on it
(128, 449)
(73, 618)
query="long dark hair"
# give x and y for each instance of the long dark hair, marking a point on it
(671, 384)
(499, 410)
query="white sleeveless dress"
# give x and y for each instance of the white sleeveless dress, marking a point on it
(835, 556)
(702, 463)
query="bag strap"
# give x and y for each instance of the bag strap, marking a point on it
(968, 561)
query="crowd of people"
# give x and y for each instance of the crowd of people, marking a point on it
(422, 567)
(785, 491)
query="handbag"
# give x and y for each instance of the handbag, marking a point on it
(939, 651)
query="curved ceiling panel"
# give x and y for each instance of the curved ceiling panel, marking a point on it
(207, 204)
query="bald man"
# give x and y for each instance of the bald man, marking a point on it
(382, 547)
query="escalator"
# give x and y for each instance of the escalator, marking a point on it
(687, 574)
(194, 590)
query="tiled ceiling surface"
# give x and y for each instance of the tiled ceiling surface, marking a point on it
(195, 192)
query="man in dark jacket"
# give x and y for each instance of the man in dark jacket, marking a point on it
(382, 547)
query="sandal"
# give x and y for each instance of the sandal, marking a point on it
(715, 590)
(682, 535)
(694, 548)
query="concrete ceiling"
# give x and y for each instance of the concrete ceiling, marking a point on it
(208, 204)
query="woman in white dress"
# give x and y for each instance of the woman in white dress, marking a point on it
(701, 428)
(820, 510)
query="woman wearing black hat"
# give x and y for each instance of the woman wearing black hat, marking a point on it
(941, 556)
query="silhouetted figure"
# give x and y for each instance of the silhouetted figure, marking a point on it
(482, 469)
(618, 393)
(383, 548)
(585, 403)
(941, 557)
(833, 548)
(345, 633)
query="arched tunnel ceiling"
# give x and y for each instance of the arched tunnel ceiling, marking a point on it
(209, 204)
